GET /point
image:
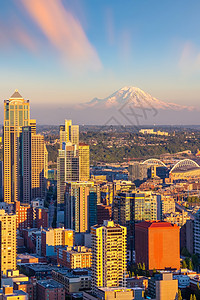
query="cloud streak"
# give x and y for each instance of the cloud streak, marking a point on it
(190, 58)
(10, 36)
(63, 31)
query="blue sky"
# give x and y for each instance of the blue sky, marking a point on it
(71, 51)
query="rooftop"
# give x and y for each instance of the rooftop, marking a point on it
(155, 224)
(72, 273)
(16, 95)
(50, 284)
(117, 289)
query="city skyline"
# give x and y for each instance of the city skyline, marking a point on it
(107, 204)
(95, 49)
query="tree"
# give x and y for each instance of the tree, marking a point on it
(179, 295)
(143, 266)
(190, 265)
(154, 271)
(184, 265)
(185, 252)
(139, 266)
(195, 259)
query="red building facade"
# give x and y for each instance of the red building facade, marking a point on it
(157, 244)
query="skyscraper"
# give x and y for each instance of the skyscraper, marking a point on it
(60, 177)
(45, 162)
(69, 133)
(108, 255)
(73, 163)
(25, 165)
(23, 153)
(16, 115)
(157, 244)
(67, 168)
(84, 162)
(8, 241)
(37, 160)
(81, 203)
(133, 207)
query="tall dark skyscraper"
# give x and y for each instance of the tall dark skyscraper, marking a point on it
(25, 165)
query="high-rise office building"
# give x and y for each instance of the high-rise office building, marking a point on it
(73, 163)
(138, 206)
(137, 172)
(84, 162)
(92, 212)
(25, 165)
(61, 175)
(108, 255)
(81, 205)
(67, 169)
(197, 233)
(1, 180)
(124, 214)
(23, 152)
(69, 133)
(32, 124)
(130, 208)
(45, 162)
(8, 240)
(37, 166)
(157, 244)
(16, 115)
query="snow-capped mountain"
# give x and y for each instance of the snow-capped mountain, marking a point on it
(133, 96)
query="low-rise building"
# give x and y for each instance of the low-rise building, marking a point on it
(163, 287)
(50, 289)
(74, 257)
(115, 293)
(51, 239)
(183, 281)
(166, 288)
(178, 218)
(25, 286)
(11, 277)
(137, 281)
(38, 270)
(74, 281)
(9, 294)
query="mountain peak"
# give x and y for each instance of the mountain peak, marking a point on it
(136, 97)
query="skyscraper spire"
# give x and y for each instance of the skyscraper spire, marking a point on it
(16, 95)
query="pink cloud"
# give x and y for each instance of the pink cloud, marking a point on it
(17, 35)
(190, 58)
(25, 39)
(63, 31)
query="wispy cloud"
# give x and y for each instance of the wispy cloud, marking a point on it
(63, 31)
(17, 35)
(125, 45)
(109, 23)
(189, 58)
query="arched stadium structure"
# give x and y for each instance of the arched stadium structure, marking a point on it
(184, 169)
(155, 162)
